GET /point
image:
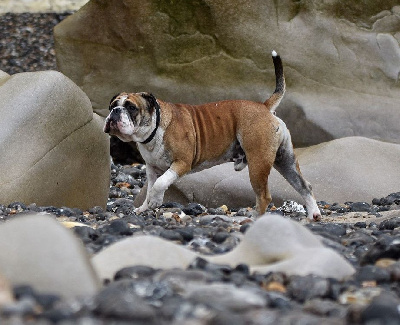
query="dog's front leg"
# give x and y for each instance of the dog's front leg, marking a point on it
(156, 194)
(151, 179)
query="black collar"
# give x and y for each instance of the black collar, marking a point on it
(157, 108)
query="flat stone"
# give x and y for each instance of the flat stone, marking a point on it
(38, 251)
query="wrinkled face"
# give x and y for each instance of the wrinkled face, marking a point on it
(130, 116)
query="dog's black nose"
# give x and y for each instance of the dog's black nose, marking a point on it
(116, 110)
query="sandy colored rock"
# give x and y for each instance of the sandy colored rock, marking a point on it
(53, 150)
(273, 243)
(38, 251)
(341, 59)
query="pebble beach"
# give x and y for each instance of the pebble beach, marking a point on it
(367, 234)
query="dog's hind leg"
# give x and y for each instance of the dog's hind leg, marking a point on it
(258, 173)
(287, 165)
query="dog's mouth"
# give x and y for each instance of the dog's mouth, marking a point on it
(110, 126)
(119, 125)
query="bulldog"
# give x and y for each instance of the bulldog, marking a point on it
(175, 139)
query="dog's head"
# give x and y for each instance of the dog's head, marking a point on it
(131, 116)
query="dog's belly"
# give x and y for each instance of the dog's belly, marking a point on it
(228, 155)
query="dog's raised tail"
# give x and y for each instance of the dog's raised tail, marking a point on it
(273, 102)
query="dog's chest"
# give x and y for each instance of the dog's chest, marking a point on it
(154, 154)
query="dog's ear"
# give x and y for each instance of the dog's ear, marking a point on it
(112, 99)
(151, 101)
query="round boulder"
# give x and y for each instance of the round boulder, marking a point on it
(53, 149)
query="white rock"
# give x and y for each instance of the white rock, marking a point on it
(141, 250)
(38, 251)
(273, 243)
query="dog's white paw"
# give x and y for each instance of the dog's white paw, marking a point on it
(314, 215)
(141, 209)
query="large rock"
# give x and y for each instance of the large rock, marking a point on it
(273, 243)
(37, 251)
(341, 58)
(347, 169)
(3, 76)
(53, 150)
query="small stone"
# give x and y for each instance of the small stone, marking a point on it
(279, 300)
(171, 235)
(119, 300)
(120, 227)
(362, 296)
(327, 308)
(329, 230)
(357, 238)
(86, 234)
(360, 207)
(186, 233)
(241, 212)
(390, 224)
(303, 288)
(135, 272)
(194, 209)
(383, 309)
(220, 237)
(245, 227)
(360, 224)
(384, 247)
(372, 273)
(394, 270)
(227, 296)
(179, 279)
(274, 286)
(385, 262)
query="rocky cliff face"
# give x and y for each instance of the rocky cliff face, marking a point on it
(342, 60)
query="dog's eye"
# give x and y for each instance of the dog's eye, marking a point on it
(112, 105)
(132, 107)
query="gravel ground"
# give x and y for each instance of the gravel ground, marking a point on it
(229, 295)
(26, 42)
(367, 234)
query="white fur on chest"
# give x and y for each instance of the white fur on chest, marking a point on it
(154, 153)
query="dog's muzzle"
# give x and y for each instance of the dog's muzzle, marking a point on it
(112, 119)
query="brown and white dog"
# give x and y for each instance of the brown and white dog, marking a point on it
(175, 139)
